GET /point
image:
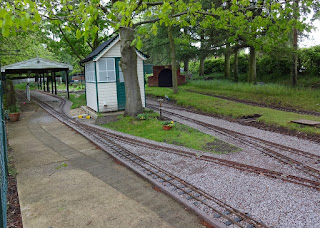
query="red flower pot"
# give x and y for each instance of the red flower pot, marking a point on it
(14, 116)
(166, 128)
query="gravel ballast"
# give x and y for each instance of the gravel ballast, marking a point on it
(273, 201)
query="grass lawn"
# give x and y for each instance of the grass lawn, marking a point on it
(74, 87)
(77, 100)
(271, 94)
(23, 86)
(179, 135)
(214, 105)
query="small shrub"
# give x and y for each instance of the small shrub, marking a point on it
(14, 108)
(142, 116)
(168, 123)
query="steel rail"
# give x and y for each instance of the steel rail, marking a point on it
(240, 166)
(255, 143)
(243, 167)
(233, 216)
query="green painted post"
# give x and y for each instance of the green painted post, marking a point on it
(144, 83)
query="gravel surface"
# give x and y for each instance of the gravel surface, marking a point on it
(250, 155)
(276, 203)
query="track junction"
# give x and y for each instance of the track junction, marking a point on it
(137, 154)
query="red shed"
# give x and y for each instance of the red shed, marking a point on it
(162, 77)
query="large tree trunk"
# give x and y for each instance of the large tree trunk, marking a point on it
(252, 65)
(227, 56)
(294, 71)
(235, 66)
(128, 65)
(201, 67)
(173, 60)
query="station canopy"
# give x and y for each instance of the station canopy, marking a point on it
(36, 65)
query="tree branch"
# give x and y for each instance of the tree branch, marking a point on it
(67, 40)
(156, 19)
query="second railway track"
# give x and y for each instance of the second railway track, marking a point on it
(266, 147)
(214, 211)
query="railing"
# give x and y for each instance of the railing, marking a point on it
(3, 165)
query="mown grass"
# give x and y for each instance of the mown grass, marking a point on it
(179, 135)
(74, 87)
(271, 94)
(223, 107)
(23, 86)
(76, 99)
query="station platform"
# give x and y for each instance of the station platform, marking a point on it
(65, 181)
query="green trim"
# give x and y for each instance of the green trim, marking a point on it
(144, 83)
(95, 74)
(107, 82)
(120, 88)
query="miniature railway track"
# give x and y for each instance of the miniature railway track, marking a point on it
(265, 147)
(243, 167)
(206, 205)
(306, 112)
(236, 165)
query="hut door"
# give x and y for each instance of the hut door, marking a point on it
(121, 93)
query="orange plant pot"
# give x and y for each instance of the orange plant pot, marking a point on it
(166, 128)
(14, 116)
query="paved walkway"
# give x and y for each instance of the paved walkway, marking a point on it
(65, 181)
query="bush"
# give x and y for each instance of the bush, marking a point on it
(14, 108)
(310, 60)
(217, 65)
(277, 67)
(213, 65)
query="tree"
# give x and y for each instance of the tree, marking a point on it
(125, 14)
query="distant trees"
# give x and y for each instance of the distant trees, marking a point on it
(220, 25)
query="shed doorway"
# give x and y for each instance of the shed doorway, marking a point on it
(165, 78)
(121, 92)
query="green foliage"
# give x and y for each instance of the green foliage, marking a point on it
(274, 66)
(14, 108)
(168, 123)
(77, 100)
(10, 98)
(23, 86)
(142, 116)
(29, 44)
(271, 94)
(310, 60)
(213, 65)
(216, 65)
(61, 165)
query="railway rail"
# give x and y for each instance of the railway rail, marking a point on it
(267, 148)
(243, 167)
(213, 210)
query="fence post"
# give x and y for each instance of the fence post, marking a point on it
(3, 165)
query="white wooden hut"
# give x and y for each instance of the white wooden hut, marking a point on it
(105, 89)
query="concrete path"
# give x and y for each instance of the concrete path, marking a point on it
(65, 181)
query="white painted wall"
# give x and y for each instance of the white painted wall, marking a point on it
(108, 91)
(114, 51)
(108, 97)
(141, 79)
(91, 96)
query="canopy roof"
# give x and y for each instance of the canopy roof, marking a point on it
(35, 65)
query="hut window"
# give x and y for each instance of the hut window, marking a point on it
(90, 76)
(107, 71)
